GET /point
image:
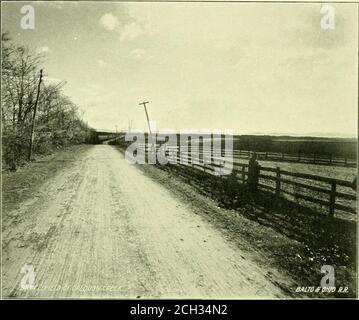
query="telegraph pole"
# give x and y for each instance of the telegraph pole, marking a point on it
(34, 116)
(148, 122)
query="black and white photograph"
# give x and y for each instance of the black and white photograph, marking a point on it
(179, 150)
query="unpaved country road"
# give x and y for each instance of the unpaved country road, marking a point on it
(102, 229)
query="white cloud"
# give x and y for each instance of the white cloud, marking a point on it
(109, 21)
(140, 54)
(44, 49)
(101, 63)
(131, 32)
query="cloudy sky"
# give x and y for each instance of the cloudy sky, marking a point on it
(253, 68)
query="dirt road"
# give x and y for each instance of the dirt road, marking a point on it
(102, 229)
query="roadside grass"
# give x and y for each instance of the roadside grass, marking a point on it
(294, 240)
(22, 184)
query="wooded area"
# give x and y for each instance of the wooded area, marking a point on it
(37, 117)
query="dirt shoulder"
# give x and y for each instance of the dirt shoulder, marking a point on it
(23, 184)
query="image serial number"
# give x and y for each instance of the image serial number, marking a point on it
(199, 309)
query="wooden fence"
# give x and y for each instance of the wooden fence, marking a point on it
(333, 194)
(309, 191)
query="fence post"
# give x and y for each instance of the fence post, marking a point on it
(204, 159)
(189, 155)
(332, 197)
(277, 183)
(253, 173)
(243, 174)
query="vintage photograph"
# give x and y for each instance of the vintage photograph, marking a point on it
(179, 150)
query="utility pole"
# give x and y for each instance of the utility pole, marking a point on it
(116, 129)
(148, 122)
(34, 116)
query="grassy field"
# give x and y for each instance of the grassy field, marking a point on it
(344, 173)
(335, 172)
(322, 147)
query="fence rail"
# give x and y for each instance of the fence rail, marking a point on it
(331, 190)
(299, 158)
(310, 188)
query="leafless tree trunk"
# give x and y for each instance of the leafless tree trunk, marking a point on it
(34, 117)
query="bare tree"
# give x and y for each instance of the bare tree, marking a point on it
(58, 121)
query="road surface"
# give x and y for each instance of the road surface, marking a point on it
(101, 228)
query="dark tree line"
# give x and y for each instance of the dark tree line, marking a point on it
(58, 122)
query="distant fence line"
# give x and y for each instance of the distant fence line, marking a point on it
(297, 158)
(300, 158)
(334, 194)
